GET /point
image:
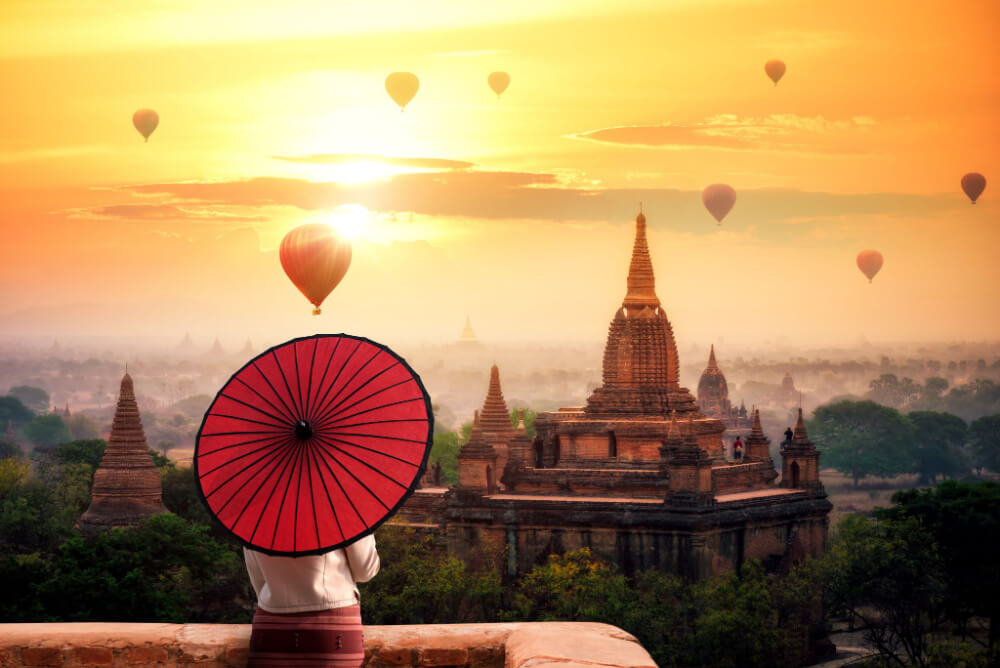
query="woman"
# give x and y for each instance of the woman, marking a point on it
(308, 608)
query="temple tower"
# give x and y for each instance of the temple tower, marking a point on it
(800, 460)
(477, 462)
(641, 376)
(494, 420)
(713, 392)
(690, 470)
(127, 487)
(758, 446)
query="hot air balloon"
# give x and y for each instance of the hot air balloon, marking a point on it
(145, 121)
(498, 82)
(315, 258)
(775, 69)
(869, 262)
(718, 199)
(402, 86)
(973, 184)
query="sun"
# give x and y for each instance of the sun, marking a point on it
(350, 220)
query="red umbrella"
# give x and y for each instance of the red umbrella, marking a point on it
(313, 444)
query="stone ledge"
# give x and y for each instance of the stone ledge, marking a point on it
(513, 645)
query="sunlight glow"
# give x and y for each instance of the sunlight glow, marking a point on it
(350, 220)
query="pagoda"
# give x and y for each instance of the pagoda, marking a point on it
(127, 487)
(713, 398)
(467, 340)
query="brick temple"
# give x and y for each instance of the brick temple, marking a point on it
(640, 474)
(713, 400)
(127, 487)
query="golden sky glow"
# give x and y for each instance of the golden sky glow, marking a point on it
(516, 211)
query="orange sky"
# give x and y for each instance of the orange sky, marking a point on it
(516, 211)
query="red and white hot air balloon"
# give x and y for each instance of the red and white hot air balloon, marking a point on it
(869, 262)
(315, 258)
(718, 198)
(973, 185)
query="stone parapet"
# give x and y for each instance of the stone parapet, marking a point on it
(513, 645)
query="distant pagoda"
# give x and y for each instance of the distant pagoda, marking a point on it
(467, 339)
(127, 486)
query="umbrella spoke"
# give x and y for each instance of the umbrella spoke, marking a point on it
(312, 492)
(235, 445)
(273, 416)
(361, 461)
(363, 424)
(268, 466)
(244, 433)
(263, 398)
(354, 375)
(379, 452)
(334, 416)
(276, 393)
(270, 496)
(245, 419)
(331, 411)
(281, 371)
(272, 445)
(284, 496)
(333, 383)
(322, 378)
(416, 441)
(342, 490)
(376, 408)
(270, 456)
(312, 364)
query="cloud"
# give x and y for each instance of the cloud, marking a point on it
(163, 212)
(470, 54)
(340, 158)
(775, 132)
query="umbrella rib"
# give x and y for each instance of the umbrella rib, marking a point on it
(276, 416)
(312, 491)
(234, 445)
(232, 477)
(353, 376)
(263, 398)
(376, 408)
(298, 379)
(269, 496)
(230, 461)
(326, 371)
(331, 411)
(244, 419)
(343, 491)
(333, 383)
(312, 363)
(329, 500)
(362, 424)
(383, 437)
(333, 416)
(288, 388)
(265, 467)
(254, 495)
(361, 461)
(290, 412)
(273, 455)
(298, 495)
(284, 497)
(363, 447)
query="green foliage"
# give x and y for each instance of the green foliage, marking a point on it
(529, 419)
(445, 451)
(47, 430)
(34, 398)
(165, 570)
(8, 449)
(180, 496)
(889, 390)
(984, 443)
(12, 410)
(87, 451)
(920, 570)
(860, 438)
(81, 427)
(938, 445)
(419, 584)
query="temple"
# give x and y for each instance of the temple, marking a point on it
(127, 486)
(639, 474)
(467, 340)
(713, 399)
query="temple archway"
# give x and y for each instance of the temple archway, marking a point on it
(794, 470)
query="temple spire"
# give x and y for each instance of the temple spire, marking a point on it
(641, 283)
(712, 364)
(494, 417)
(800, 429)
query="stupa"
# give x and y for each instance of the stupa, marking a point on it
(713, 399)
(127, 486)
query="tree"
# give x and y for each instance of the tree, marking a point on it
(84, 451)
(81, 427)
(529, 419)
(938, 444)
(444, 451)
(8, 449)
(860, 438)
(15, 412)
(984, 443)
(34, 398)
(46, 430)
(889, 390)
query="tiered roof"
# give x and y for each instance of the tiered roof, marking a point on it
(495, 418)
(127, 487)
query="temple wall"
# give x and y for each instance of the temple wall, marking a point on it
(591, 446)
(632, 449)
(476, 473)
(742, 477)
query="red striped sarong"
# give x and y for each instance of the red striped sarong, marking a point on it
(320, 639)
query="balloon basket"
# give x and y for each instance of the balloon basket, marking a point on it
(316, 311)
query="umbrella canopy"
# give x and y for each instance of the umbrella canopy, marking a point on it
(313, 444)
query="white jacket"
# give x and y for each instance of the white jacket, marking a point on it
(318, 582)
